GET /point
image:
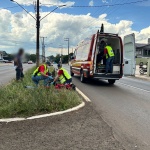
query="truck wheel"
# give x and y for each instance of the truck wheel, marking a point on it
(111, 82)
(72, 74)
(82, 78)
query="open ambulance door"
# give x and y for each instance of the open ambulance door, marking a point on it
(129, 55)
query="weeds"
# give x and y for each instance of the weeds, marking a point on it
(16, 101)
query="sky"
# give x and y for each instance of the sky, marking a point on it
(17, 28)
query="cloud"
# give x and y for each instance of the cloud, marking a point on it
(104, 1)
(18, 30)
(91, 3)
(48, 3)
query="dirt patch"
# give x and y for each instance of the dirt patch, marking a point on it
(83, 129)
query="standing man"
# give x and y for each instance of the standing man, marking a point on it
(63, 75)
(109, 54)
(42, 73)
(18, 64)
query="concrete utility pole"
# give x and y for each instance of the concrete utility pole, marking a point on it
(37, 33)
(38, 19)
(148, 68)
(43, 48)
(67, 39)
(61, 52)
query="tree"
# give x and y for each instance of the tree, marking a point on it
(57, 58)
(33, 57)
(65, 59)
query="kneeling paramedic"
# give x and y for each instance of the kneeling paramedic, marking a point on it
(63, 75)
(42, 73)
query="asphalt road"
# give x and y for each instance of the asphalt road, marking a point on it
(124, 106)
(7, 72)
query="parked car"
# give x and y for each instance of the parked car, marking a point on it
(3, 61)
(9, 61)
(84, 62)
(30, 62)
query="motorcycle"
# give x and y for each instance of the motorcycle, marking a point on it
(143, 70)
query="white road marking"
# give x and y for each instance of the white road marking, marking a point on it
(134, 87)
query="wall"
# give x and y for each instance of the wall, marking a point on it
(144, 60)
(1, 56)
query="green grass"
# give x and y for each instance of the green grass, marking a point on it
(16, 101)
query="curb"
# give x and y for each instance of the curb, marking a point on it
(141, 78)
(83, 95)
(43, 116)
(51, 114)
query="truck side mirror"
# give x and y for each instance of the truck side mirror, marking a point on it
(126, 62)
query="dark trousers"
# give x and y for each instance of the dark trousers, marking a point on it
(19, 74)
(68, 81)
(109, 64)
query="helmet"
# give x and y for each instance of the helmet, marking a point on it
(59, 65)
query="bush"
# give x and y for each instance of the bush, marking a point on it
(16, 101)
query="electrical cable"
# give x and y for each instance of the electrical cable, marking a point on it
(110, 5)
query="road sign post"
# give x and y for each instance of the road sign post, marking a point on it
(148, 68)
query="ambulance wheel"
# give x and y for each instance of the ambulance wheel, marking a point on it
(71, 73)
(82, 78)
(111, 82)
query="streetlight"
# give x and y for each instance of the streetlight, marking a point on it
(67, 39)
(38, 20)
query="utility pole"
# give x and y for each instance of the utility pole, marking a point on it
(43, 49)
(38, 19)
(61, 51)
(37, 33)
(67, 39)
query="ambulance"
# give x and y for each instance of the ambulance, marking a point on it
(88, 61)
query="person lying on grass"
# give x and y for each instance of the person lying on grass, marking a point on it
(42, 73)
(63, 76)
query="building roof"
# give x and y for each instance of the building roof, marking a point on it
(139, 45)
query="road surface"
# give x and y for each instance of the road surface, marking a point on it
(124, 106)
(7, 72)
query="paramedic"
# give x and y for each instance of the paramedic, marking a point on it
(109, 54)
(42, 73)
(63, 75)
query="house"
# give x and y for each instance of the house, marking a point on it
(1, 54)
(143, 50)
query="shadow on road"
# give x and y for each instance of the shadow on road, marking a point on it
(95, 82)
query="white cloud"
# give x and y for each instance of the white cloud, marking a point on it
(18, 30)
(91, 3)
(104, 1)
(45, 2)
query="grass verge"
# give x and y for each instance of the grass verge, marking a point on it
(16, 101)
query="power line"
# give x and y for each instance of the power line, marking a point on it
(9, 7)
(110, 5)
